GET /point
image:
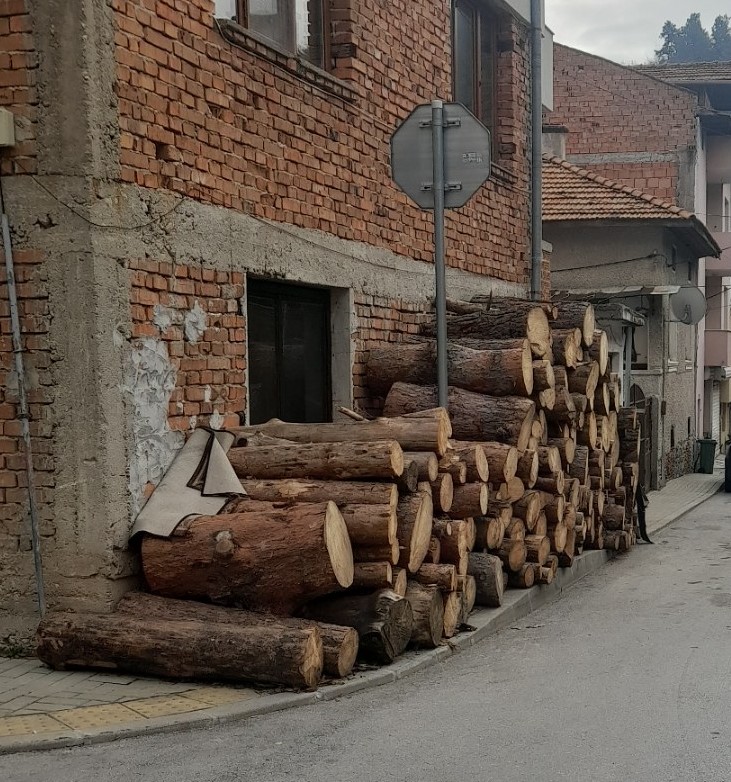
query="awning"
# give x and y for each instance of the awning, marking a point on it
(589, 294)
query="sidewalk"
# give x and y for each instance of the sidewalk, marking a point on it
(41, 708)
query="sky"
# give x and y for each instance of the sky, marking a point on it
(626, 31)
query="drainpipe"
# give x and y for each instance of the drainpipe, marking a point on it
(23, 405)
(536, 144)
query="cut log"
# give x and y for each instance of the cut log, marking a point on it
(599, 352)
(443, 492)
(513, 553)
(551, 485)
(539, 548)
(409, 478)
(502, 460)
(340, 644)
(579, 467)
(575, 314)
(524, 578)
(427, 464)
(370, 525)
(566, 449)
(435, 549)
(475, 417)
(541, 526)
(614, 517)
(384, 621)
(554, 507)
(372, 575)
(515, 529)
(456, 544)
(511, 491)
(528, 468)
(340, 492)
(544, 378)
(443, 575)
(427, 607)
(487, 572)
(566, 345)
(587, 434)
(564, 409)
(272, 561)
(456, 468)
(467, 589)
(414, 514)
(367, 554)
(346, 460)
(558, 536)
(584, 379)
(452, 613)
(469, 500)
(473, 455)
(428, 433)
(549, 461)
(602, 403)
(400, 581)
(183, 649)
(490, 532)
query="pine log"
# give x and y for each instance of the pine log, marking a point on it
(400, 581)
(346, 460)
(502, 460)
(544, 378)
(443, 575)
(427, 464)
(515, 529)
(566, 345)
(587, 434)
(452, 613)
(433, 556)
(469, 500)
(454, 467)
(340, 492)
(367, 554)
(602, 404)
(473, 455)
(538, 548)
(511, 491)
(599, 498)
(523, 578)
(581, 403)
(613, 517)
(487, 572)
(528, 468)
(183, 649)
(599, 352)
(414, 514)
(541, 525)
(490, 532)
(384, 621)
(269, 561)
(554, 507)
(571, 491)
(340, 644)
(558, 536)
(528, 508)
(575, 314)
(513, 553)
(629, 445)
(549, 461)
(627, 418)
(427, 607)
(584, 379)
(409, 478)
(564, 409)
(475, 417)
(456, 544)
(443, 492)
(430, 433)
(372, 575)
(566, 449)
(467, 590)
(370, 525)
(551, 485)
(579, 467)
(546, 399)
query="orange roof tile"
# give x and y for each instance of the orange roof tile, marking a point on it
(689, 72)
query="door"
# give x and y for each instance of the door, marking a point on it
(289, 352)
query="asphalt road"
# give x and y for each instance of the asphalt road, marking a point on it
(626, 678)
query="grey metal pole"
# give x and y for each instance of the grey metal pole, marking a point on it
(437, 122)
(536, 152)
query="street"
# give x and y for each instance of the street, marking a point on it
(626, 677)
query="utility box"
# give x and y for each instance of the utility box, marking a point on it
(7, 128)
(706, 456)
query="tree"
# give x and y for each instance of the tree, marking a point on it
(692, 42)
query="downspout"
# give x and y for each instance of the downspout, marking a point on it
(536, 150)
(23, 405)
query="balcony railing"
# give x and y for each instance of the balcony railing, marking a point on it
(718, 348)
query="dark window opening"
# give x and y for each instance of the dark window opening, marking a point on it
(689, 426)
(474, 66)
(672, 437)
(289, 352)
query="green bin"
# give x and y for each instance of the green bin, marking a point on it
(707, 456)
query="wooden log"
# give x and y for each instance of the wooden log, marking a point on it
(581, 403)
(602, 404)
(524, 578)
(627, 418)
(372, 575)
(475, 417)
(414, 514)
(487, 572)
(442, 492)
(513, 553)
(467, 590)
(538, 548)
(566, 345)
(368, 554)
(443, 575)
(566, 450)
(346, 460)
(584, 379)
(340, 492)
(435, 549)
(469, 500)
(571, 491)
(544, 378)
(340, 644)
(549, 461)
(599, 498)
(613, 517)
(545, 399)
(490, 532)
(599, 351)
(384, 621)
(528, 468)
(511, 491)
(427, 464)
(515, 529)
(554, 507)
(456, 468)
(452, 613)
(502, 321)
(409, 478)
(629, 446)
(400, 580)
(575, 314)
(558, 536)
(587, 434)
(579, 467)
(183, 649)
(370, 525)
(427, 433)
(541, 526)
(456, 544)
(493, 372)
(564, 409)
(543, 575)
(473, 455)
(298, 553)
(551, 485)
(528, 508)
(428, 612)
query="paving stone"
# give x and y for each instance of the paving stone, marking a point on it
(220, 696)
(164, 705)
(29, 725)
(97, 716)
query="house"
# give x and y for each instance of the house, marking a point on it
(205, 230)
(629, 252)
(663, 138)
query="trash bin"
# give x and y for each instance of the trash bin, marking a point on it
(707, 456)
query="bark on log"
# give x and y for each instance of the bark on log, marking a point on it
(469, 500)
(443, 575)
(528, 508)
(266, 561)
(414, 514)
(564, 409)
(524, 578)
(599, 352)
(515, 529)
(551, 485)
(584, 379)
(587, 434)
(383, 620)
(455, 467)
(474, 456)
(490, 532)
(475, 417)
(544, 378)
(427, 464)
(576, 314)
(372, 575)
(502, 460)
(452, 613)
(490, 584)
(340, 644)
(539, 548)
(346, 460)
(528, 468)
(370, 525)
(427, 608)
(613, 517)
(340, 492)
(274, 654)
(579, 468)
(549, 461)
(566, 345)
(443, 493)
(409, 478)
(602, 403)
(467, 590)
(513, 553)
(433, 556)
(456, 544)
(430, 433)
(377, 553)
(566, 449)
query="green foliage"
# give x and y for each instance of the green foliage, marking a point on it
(692, 43)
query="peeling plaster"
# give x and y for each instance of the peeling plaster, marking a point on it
(195, 323)
(149, 380)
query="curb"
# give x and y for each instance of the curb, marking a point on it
(685, 512)
(485, 622)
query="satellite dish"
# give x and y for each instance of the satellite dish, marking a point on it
(689, 305)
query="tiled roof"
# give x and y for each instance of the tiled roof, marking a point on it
(572, 193)
(689, 72)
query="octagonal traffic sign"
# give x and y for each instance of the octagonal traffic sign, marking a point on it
(466, 155)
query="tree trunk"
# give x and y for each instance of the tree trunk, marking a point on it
(430, 433)
(539, 549)
(473, 455)
(273, 561)
(474, 416)
(467, 590)
(528, 508)
(427, 607)
(373, 575)
(488, 574)
(577, 314)
(384, 621)
(340, 644)
(584, 379)
(415, 514)
(443, 493)
(528, 468)
(427, 464)
(409, 478)
(469, 500)
(340, 492)
(369, 554)
(191, 649)
(347, 460)
(544, 377)
(524, 578)
(444, 576)
(513, 553)
(579, 467)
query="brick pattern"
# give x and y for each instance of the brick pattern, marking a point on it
(235, 126)
(609, 108)
(210, 369)
(18, 93)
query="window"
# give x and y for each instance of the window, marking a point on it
(297, 26)
(474, 66)
(289, 352)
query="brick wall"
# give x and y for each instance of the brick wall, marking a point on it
(609, 108)
(239, 125)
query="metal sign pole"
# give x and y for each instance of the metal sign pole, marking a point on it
(437, 113)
